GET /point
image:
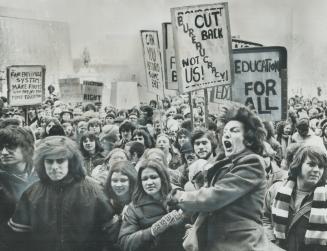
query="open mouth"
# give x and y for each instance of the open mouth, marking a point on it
(227, 145)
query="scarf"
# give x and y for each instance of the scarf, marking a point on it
(316, 232)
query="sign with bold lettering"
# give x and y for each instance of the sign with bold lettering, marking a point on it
(261, 81)
(70, 90)
(152, 61)
(169, 57)
(202, 45)
(25, 84)
(92, 91)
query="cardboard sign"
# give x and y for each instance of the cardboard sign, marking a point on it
(92, 91)
(261, 81)
(169, 57)
(25, 84)
(152, 61)
(70, 90)
(202, 45)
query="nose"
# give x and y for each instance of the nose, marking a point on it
(315, 168)
(4, 151)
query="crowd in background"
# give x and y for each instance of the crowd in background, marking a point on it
(85, 177)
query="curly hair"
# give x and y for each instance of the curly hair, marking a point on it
(316, 154)
(254, 130)
(163, 174)
(63, 147)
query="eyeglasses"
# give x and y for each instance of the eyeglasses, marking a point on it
(9, 148)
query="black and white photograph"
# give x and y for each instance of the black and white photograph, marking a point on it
(163, 125)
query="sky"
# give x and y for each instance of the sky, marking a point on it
(110, 30)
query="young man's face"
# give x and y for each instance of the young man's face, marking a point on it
(202, 147)
(11, 155)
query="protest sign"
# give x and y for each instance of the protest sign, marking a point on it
(261, 81)
(169, 57)
(25, 84)
(92, 91)
(202, 46)
(152, 62)
(70, 90)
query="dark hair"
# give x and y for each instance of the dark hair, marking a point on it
(92, 137)
(197, 134)
(126, 168)
(187, 124)
(163, 174)
(269, 129)
(315, 153)
(56, 130)
(63, 147)
(145, 135)
(138, 148)
(180, 132)
(126, 126)
(15, 136)
(254, 131)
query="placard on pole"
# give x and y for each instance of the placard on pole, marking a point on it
(261, 81)
(152, 62)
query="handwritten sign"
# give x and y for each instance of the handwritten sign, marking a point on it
(70, 90)
(169, 57)
(261, 81)
(152, 61)
(92, 91)
(25, 84)
(202, 45)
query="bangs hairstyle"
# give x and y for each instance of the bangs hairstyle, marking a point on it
(124, 167)
(92, 137)
(63, 148)
(164, 177)
(316, 155)
(15, 136)
(254, 130)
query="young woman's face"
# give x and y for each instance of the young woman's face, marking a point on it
(162, 143)
(89, 144)
(287, 129)
(233, 138)
(56, 168)
(311, 173)
(95, 128)
(151, 182)
(119, 183)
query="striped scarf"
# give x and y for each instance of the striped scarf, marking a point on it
(316, 232)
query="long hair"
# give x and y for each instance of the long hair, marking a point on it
(112, 152)
(16, 136)
(63, 147)
(180, 132)
(316, 154)
(163, 174)
(124, 167)
(91, 136)
(254, 130)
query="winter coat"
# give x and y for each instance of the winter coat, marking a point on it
(11, 188)
(234, 201)
(275, 174)
(296, 225)
(135, 233)
(68, 215)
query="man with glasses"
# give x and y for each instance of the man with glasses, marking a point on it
(16, 167)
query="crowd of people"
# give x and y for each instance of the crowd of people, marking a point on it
(84, 177)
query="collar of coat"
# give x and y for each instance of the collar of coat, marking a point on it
(147, 200)
(222, 162)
